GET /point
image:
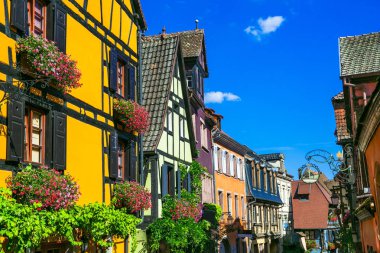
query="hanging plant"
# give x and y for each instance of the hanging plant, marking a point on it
(132, 115)
(43, 186)
(131, 196)
(44, 59)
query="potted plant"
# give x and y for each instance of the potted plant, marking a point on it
(47, 187)
(131, 196)
(40, 58)
(133, 116)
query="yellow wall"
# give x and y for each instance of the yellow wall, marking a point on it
(85, 157)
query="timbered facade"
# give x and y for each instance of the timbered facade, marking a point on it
(76, 132)
(169, 141)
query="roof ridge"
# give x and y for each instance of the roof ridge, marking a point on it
(360, 35)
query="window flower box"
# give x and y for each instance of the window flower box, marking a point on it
(131, 196)
(41, 59)
(45, 187)
(132, 116)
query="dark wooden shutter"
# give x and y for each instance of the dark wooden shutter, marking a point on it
(113, 70)
(113, 155)
(132, 162)
(16, 131)
(131, 82)
(164, 180)
(59, 141)
(19, 15)
(60, 27)
(179, 185)
(188, 177)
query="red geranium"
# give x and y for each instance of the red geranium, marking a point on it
(132, 196)
(48, 187)
(134, 116)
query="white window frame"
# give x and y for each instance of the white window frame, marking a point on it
(232, 169)
(182, 128)
(238, 172)
(170, 121)
(224, 162)
(215, 155)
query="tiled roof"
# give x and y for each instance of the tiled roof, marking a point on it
(225, 140)
(359, 54)
(272, 157)
(158, 57)
(191, 42)
(341, 131)
(313, 212)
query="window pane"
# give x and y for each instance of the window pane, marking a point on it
(36, 121)
(36, 155)
(36, 140)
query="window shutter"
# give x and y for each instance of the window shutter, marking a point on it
(112, 157)
(59, 141)
(60, 27)
(178, 172)
(113, 70)
(19, 15)
(228, 163)
(16, 131)
(133, 161)
(131, 82)
(164, 180)
(188, 182)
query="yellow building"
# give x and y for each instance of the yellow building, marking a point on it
(77, 132)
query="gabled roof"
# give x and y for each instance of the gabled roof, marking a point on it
(313, 212)
(359, 54)
(159, 55)
(192, 43)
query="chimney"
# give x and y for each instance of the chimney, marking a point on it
(196, 24)
(163, 33)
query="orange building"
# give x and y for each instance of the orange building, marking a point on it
(230, 190)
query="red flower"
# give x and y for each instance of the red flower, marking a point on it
(134, 116)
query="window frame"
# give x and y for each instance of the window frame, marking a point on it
(28, 138)
(31, 4)
(121, 65)
(121, 153)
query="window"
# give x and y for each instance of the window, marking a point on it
(121, 160)
(236, 206)
(229, 203)
(265, 215)
(215, 155)
(220, 155)
(220, 195)
(258, 216)
(189, 80)
(167, 180)
(170, 121)
(37, 17)
(231, 162)
(204, 137)
(242, 208)
(194, 125)
(310, 235)
(120, 85)
(182, 128)
(224, 161)
(238, 169)
(34, 135)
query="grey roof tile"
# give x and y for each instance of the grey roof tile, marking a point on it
(158, 57)
(359, 54)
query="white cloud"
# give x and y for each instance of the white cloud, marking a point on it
(266, 26)
(219, 97)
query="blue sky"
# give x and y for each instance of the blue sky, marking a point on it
(274, 65)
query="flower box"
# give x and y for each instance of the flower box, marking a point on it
(41, 59)
(131, 196)
(132, 116)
